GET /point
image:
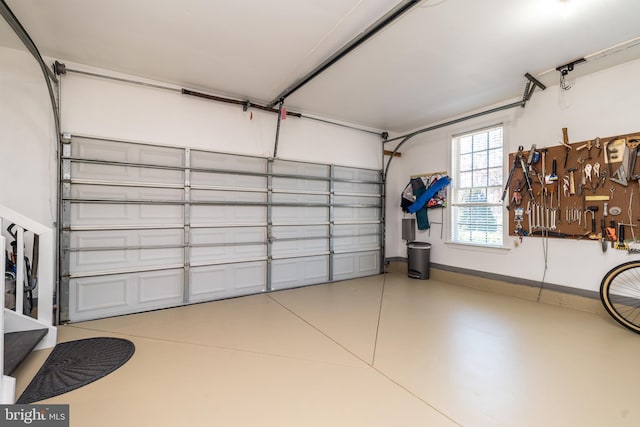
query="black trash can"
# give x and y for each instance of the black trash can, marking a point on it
(419, 256)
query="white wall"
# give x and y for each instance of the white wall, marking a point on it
(99, 107)
(601, 104)
(27, 138)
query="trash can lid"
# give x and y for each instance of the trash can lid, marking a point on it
(419, 245)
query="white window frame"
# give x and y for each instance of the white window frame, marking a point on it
(460, 188)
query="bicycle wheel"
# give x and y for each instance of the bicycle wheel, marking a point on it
(620, 294)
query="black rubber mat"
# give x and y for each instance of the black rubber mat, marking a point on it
(74, 364)
(18, 345)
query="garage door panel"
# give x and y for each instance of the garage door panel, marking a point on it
(351, 230)
(349, 266)
(227, 244)
(215, 254)
(299, 184)
(125, 238)
(101, 150)
(101, 172)
(356, 174)
(96, 297)
(357, 188)
(368, 178)
(229, 215)
(291, 273)
(360, 200)
(300, 231)
(228, 196)
(102, 215)
(160, 256)
(300, 168)
(300, 198)
(361, 214)
(131, 174)
(101, 294)
(91, 260)
(160, 287)
(153, 155)
(128, 259)
(356, 237)
(227, 180)
(300, 247)
(300, 215)
(230, 162)
(228, 235)
(118, 151)
(108, 192)
(156, 237)
(159, 214)
(222, 281)
(356, 243)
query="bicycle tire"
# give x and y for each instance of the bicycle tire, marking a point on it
(620, 294)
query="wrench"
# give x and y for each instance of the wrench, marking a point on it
(547, 212)
(579, 215)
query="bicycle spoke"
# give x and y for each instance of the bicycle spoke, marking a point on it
(620, 294)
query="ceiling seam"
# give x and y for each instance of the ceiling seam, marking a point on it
(602, 53)
(325, 37)
(373, 29)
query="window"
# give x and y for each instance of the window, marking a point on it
(477, 178)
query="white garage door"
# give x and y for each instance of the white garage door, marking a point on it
(147, 227)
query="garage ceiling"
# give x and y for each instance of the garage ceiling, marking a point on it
(440, 59)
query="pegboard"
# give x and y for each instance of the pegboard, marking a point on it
(611, 191)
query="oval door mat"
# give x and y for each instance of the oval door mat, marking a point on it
(74, 364)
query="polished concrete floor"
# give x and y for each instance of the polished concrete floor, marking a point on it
(380, 351)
